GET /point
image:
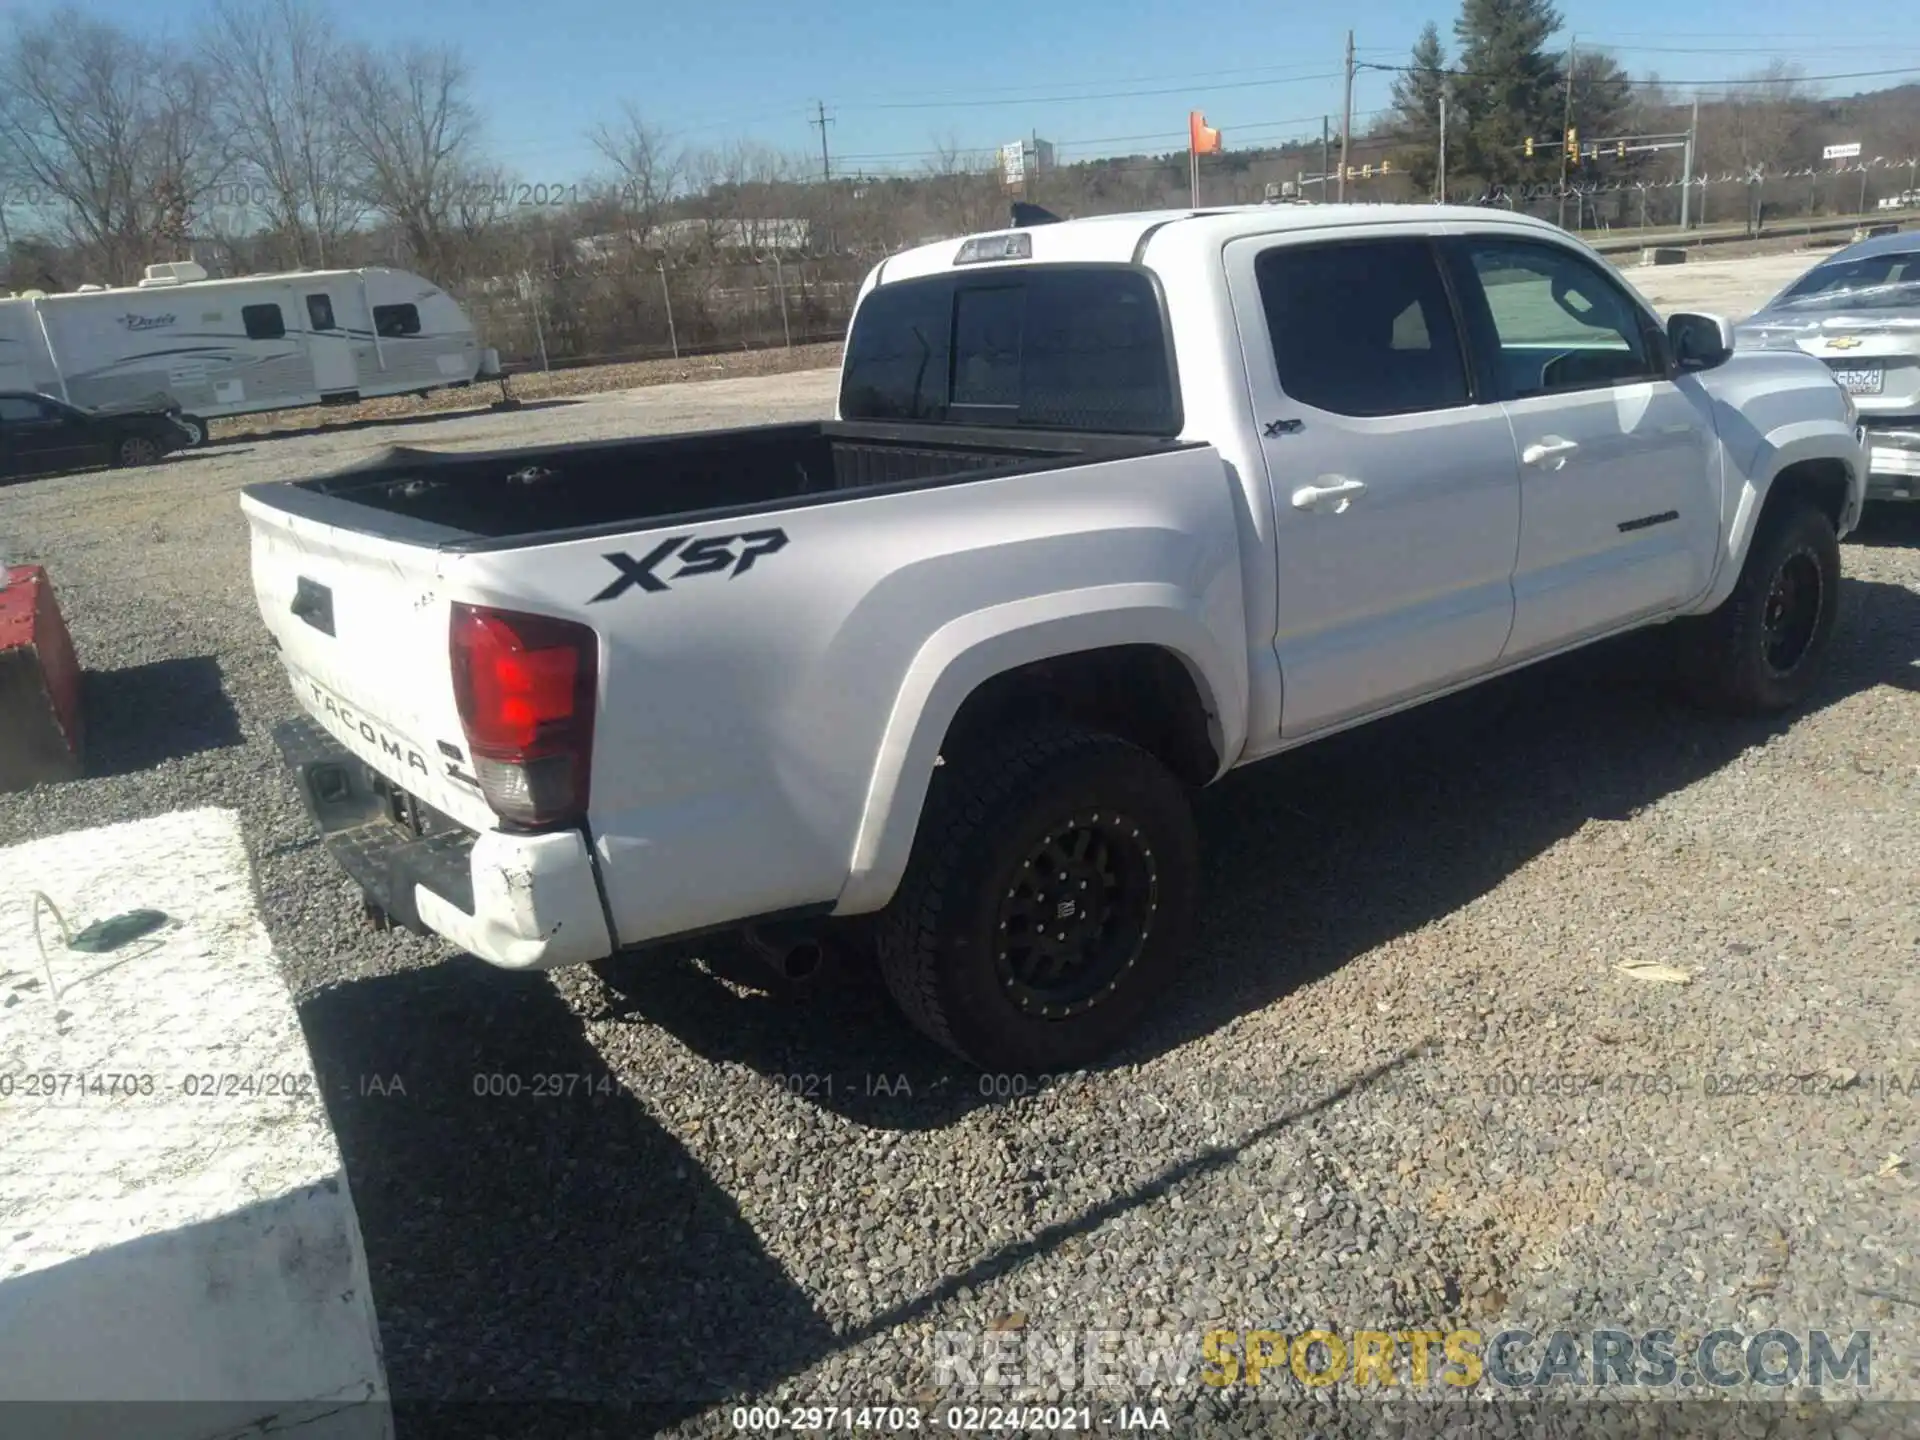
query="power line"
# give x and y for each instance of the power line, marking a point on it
(1104, 95)
(1658, 83)
(1729, 49)
(1172, 137)
(1154, 79)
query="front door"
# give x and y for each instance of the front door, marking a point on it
(1394, 482)
(41, 438)
(1620, 459)
(331, 347)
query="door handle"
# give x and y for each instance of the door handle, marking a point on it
(1342, 492)
(1551, 448)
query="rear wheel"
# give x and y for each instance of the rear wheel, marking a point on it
(136, 450)
(1762, 650)
(1049, 899)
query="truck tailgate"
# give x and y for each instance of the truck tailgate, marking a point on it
(362, 627)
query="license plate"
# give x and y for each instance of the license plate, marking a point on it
(1862, 379)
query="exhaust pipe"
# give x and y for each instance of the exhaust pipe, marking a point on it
(795, 961)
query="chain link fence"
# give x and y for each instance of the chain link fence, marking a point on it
(648, 308)
(1760, 201)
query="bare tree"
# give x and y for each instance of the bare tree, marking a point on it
(964, 189)
(647, 167)
(274, 58)
(740, 189)
(1756, 121)
(113, 137)
(409, 123)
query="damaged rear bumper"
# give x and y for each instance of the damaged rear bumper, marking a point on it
(523, 902)
(1893, 470)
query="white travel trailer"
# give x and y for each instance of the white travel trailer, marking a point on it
(234, 347)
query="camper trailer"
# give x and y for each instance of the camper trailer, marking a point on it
(240, 346)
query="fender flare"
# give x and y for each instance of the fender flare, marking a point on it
(1753, 484)
(965, 653)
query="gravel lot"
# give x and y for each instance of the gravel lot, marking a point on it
(1368, 1109)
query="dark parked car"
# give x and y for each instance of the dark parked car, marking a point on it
(40, 435)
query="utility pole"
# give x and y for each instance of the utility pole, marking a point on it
(1441, 189)
(1566, 124)
(1686, 173)
(1326, 157)
(822, 119)
(1346, 121)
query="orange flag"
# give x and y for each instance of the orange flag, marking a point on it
(1200, 139)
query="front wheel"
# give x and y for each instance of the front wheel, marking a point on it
(1049, 899)
(195, 427)
(1761, 651)
(136, 450)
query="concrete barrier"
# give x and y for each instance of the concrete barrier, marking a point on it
(179, 1255)
(1663, 255)
(40, 719)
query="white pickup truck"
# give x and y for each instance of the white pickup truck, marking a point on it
(1108, 508)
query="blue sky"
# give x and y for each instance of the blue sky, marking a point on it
(901, 78)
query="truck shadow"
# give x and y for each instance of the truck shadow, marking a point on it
(557, 1266)
(144, 715)
(529, 1247)
(1313, 858)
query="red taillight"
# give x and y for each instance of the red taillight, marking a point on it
(525, 685)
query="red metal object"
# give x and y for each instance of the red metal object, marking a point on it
(41, 727)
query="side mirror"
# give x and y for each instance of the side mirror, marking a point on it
(1699, 342)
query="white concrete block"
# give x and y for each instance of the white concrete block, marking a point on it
(175, 1223)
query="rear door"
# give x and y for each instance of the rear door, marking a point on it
(1395, 488)
(362, 628)
(1620, 458)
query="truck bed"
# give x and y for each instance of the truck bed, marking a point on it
(487, 500)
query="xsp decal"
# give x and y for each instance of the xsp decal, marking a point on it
(1647, 522)
(707, 556)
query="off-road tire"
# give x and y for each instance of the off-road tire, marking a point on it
(1722, 659)
(940, 943)
(199, 429)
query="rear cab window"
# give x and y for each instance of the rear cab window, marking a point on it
(1363, 328)
(1061, 347)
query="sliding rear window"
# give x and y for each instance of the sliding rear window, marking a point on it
(1059, 347)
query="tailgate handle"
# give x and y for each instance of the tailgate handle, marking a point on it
(313, 603)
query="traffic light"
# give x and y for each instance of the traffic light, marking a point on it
(1366, 172)
(1386, 167)
(1529, 147)
(1573, 140)
(1620, 150)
